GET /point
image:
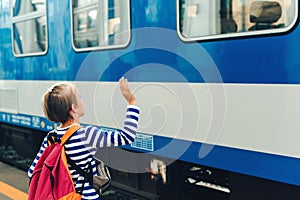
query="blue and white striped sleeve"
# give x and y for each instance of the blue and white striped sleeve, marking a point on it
(42, 149)
(98, 138)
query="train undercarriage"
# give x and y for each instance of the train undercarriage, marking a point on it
(178, 180)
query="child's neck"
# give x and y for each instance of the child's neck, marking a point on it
(69, 123)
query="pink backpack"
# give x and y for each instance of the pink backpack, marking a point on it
(51, 178)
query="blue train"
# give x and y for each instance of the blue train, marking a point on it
(217, 81)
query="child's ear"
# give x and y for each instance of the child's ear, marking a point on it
(74, 107)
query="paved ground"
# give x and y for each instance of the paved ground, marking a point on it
(13, 182)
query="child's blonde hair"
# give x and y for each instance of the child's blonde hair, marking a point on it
(57, 102)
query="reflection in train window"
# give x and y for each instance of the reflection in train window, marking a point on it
(100, 24)
(209, 19)
(29, 27)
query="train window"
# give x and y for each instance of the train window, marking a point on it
(29, 27)
(210, 19)
(99, 24)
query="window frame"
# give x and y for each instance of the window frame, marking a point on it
(96, 48)
(27, 17)
(225, 36)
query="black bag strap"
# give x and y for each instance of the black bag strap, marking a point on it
(53, 138)
(87, 175)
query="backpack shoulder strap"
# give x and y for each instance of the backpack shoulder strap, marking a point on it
(69, 133)
(51, 137)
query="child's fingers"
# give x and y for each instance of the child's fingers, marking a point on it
(123, 82)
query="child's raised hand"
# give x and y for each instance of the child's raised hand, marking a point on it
(126, 91)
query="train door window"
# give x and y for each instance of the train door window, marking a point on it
(212, 19)
(29, 27)
(100, 24)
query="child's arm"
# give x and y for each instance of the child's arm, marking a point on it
(98, 138)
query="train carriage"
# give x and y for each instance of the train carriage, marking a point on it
(217, 82)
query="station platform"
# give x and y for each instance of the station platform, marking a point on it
(13, 183)
(14, 186)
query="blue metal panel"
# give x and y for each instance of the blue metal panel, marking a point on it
(264, 165)
(254, 60)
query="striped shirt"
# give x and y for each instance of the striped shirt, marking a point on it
(83, 144)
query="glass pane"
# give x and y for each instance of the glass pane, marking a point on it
(21, 7)
(200, 18)
(98, 23)
(85, 27)
(30, 36)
